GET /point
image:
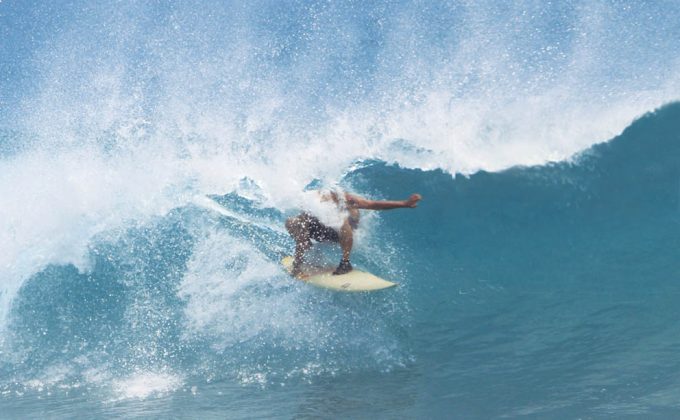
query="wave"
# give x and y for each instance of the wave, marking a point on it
(197, 294)
(97, 139)
(121, 279)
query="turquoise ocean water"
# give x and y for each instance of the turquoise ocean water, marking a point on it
(539, 277)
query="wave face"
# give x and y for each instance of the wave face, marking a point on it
(538, 270)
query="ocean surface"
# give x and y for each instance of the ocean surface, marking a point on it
(150, 153)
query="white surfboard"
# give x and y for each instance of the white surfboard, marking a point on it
(354, 281)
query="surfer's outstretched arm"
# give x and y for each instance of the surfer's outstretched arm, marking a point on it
(362, 203)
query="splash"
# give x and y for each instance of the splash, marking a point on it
(144, 385)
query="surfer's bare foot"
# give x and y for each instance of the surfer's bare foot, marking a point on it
(343, 268)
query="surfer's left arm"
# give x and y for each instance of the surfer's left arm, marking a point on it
(362, 203)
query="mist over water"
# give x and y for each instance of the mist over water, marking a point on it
(119, 282)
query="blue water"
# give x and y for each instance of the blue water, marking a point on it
(538, 276)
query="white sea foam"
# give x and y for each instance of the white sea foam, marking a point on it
(143, 385)
(219, 290)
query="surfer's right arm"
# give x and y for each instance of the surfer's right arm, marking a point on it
(361, 203)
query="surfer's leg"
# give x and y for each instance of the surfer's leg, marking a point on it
(300, 249)
(346, 242)
(299, 230)
(346, 239)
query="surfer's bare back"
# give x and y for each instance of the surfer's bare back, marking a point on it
(305, 227)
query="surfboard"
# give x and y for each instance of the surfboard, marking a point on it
(354, 281)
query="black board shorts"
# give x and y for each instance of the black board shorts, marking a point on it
(317, 230)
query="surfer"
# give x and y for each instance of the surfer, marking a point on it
(305, 227)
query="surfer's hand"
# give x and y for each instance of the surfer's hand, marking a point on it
(412, 201)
